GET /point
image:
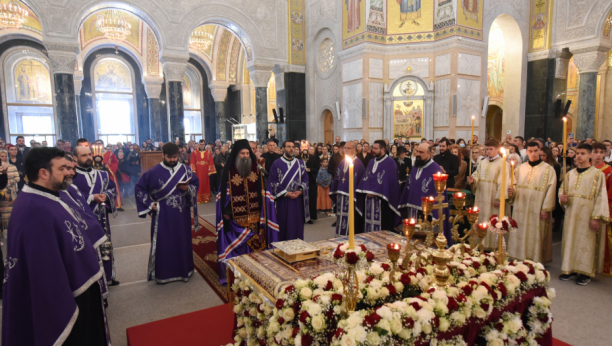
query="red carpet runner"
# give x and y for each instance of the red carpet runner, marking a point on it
(204, 244)
(209, 327)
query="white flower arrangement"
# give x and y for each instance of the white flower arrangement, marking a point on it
(501, 226)
(508, 330)
(539, 317)
(356, 258)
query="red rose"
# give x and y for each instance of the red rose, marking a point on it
(296, 330)
(405, 279)
(421, 271)
(499, 326)
(279, 304)
(502, 288)
(467, 290)
(416, 306)
(452, 304)
(239, 293)
(262, 342)
(315, 298)
(329, 314)
(351, 258)
(513, 223)
(493, 218)
(371, 320)
(476, 265)
(281, 320)
(243, 343)
(369, 256)
(431, 290)
(461, 298)
(486, 262)
(329, 285)
(246, 313)
(303, 316)
(296, 307)
(338, 334)
(385, 267)
(369, 279)
(521, 276)
(392, 290)
(422, 298)
(246, 293)
(336, 298)
(363, 248)
(290, 289)
(504, 225)
(257, 323)
(408, 323)
(259, 308)
(531, 270)
(436, 321)
(338, 254)
(306, 340)
(484, 306)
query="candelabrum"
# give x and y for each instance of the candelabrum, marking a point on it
(351, 290)
(98, 160)
(475, 234)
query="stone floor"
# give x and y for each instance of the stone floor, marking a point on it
(583, 315)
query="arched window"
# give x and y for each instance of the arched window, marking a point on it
(114, 101)
(192, 105)
(28, 96)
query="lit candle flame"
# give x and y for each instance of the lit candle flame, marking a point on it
(350, 161)
(502, 151)
(564, 119)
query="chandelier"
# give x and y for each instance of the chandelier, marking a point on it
(200, 40)
(12, 16)
(114, 26)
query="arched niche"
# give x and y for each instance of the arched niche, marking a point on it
(391, 98)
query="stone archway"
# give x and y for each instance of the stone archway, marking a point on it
(328, 126)
(494, 122)
(424, 95)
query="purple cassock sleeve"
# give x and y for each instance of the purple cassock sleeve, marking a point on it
(144, 202)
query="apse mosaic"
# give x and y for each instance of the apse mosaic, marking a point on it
(90, 32)
(32, 83)
(32, 23)
(112, 75)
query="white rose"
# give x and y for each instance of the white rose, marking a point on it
(372, 294)
(513, 326)
(359, 333)
(274, 327)
(441, 308)
(288, 314)
(253, 312)
(376, 268)
(385, 313)
(444, 324)
(427, 328)
(396, 326)
(347, 340)
(305, 293)
(299, 284)
(384, 292)
(239, 322)
(238, 309)
(384, 324)
(453, 292)
(540, 277)
(375, 284)
(399, 287)
(267, 309)
(344, 247)
(298, 340)
(314, 309)
(405, 334)
(496, 342)
(480, 313)
(318, 323)
(373, 338)
(337, 284)
(242, 332)
(458, 317)
(337, 309)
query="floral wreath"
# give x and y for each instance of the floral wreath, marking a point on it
(505, 225)
(356, 258)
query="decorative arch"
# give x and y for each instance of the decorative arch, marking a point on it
(328, 125)
(122, 48)
(204, 63)
(32, 28)
(428, 106)
(604, 27)
(232, 28)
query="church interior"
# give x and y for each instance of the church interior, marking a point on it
(166, 70)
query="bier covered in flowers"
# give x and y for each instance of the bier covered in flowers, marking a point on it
(503, 225)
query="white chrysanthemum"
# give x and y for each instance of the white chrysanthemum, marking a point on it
(337, 309)
(314, 309)
(317, 292)
(441, 308)
(361, 276)
(523, 268)
(453, 264)
(344, 247)
(452, 292)
(337, 284)
(513, 283)
(425, 282)
(427, 305)
(440, 295)
(405, 334)
(425, 315)
(471, 272)
(512, 269)
(493, 335)
(298, 340)
(375, 284)
(373, 338)
(318, 323)
(385, 313)
(396, 326)
(399, 287)
(305, 293)
(376, 268)
(398, 305)
(384, 292)
(274, 327)
(267, 309)
(384, 324)
(325, 299)
(299, 284)
(540, 276)
(321, 281)
(353, 320)
(512, 326)
(288, 314)
(359, 333)
(372, 293)
(458, 317)
(444, 324)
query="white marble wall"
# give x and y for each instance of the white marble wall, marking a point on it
(440, 134)
(351, 106)
(375, 135)
(418, 67)
(469, 64)
(465, 134)
(375, 108)
(352, 70)
(443, 65)
(442, 102)
(353, 135)
(468, 101)
(376, 68)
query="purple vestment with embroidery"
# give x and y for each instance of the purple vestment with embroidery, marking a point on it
(50, 261)
(420, 183)
(339, 193)
(171, 256)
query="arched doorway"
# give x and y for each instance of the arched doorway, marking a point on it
(494, 122)
(328, 125)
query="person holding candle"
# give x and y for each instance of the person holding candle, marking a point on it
(486, 184)
(112, 166)
(586, 213)
(421, 184)
(339, 192)
(448, 161)
(379, 187)
(597, 160)
(534, 200)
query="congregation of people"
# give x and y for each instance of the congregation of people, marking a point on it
(64, 198)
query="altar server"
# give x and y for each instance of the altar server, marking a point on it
(246, 220)
(339, 192)
(203, 166)
(99, 191)
(51, 291)
(533, 200)
(586, 215)
(420, 184)
(597, 160)
(168, 192)
(379, 187)
(486, 184)
(288, 186)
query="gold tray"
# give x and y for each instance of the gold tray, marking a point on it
(296, 257)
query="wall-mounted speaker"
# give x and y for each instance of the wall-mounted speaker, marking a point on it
(275, 115)
(364, 114)
(338, 110)
(455, 105)
(485, 107)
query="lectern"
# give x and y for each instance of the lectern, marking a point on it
(148, 159)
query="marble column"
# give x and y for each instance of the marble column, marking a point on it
(63, 63)
(153, 88)
(223, 127)
(588, 65)
(260, 75)
(174, 72)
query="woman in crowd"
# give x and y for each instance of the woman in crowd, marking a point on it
(393, 151)
(10, 191)
(324, 180)
(461, 143)
(460, 178)
(17, 161)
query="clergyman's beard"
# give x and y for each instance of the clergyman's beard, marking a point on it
(418, 162)
(61, 185)
(290, 154)
(170, 164)
(85, 164)
(243, 165)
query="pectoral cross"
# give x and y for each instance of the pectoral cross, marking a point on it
(343, 179)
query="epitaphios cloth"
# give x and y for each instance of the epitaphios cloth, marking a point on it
(339, 193)
(583, 249)
(420, 184)
(203, 166)
(380, 180)
(50, 262)
(171, 256)
(289, 176)
(535, 194)
(91, 182)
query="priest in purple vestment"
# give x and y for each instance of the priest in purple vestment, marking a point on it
(420, 184)
(288, 185)
(379, 188)
(168, 192)
(339, 191)
(51, 290)
(246, 219)
(99, 191)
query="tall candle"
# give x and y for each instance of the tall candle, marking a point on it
(471, 146)
(351, 206)
(564, 136)
(512, 175)
(502, 196)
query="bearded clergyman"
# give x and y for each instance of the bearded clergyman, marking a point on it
(168, 192)
(420, 184)
(288, 186)
(246, 220)
(534, 201)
